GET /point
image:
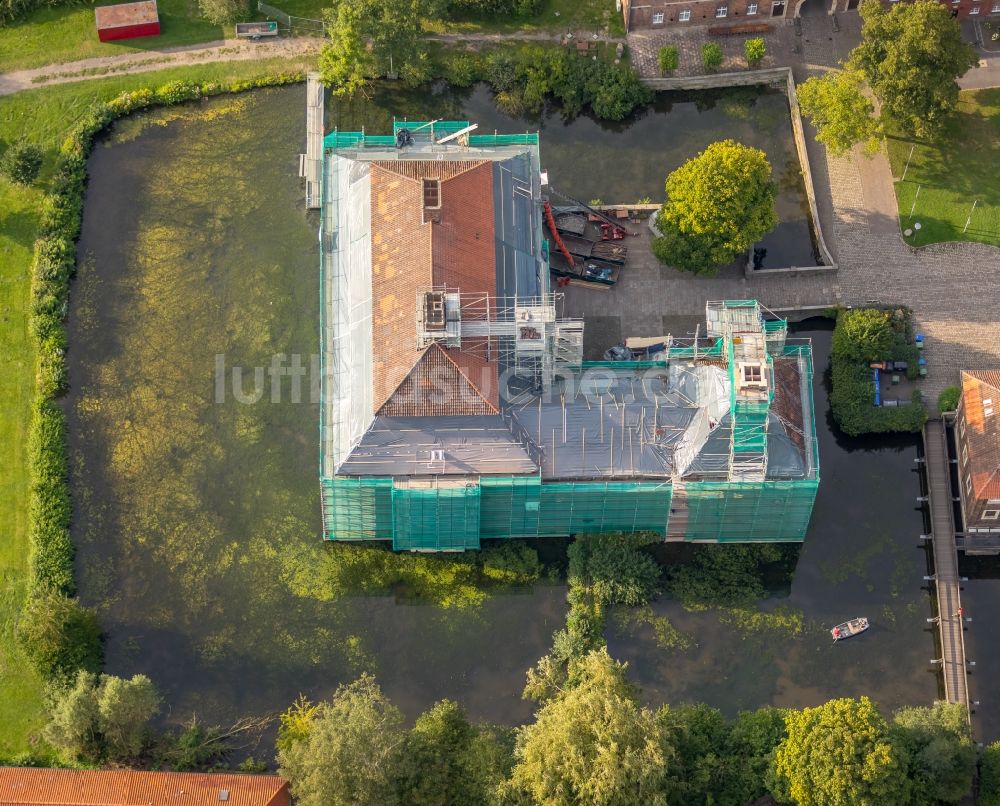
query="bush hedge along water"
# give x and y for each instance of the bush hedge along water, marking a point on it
(50, 572)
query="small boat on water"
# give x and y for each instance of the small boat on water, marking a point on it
(849, 629)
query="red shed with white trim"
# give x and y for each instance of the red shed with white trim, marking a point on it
(127, 21)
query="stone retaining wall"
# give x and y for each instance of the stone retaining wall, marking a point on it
(774, 77)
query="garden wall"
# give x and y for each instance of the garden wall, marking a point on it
(780, 77)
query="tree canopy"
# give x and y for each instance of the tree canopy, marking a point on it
(102, 717)
(840, 754)
(369, 39)
(718, 204)
(836, 105)
(911, 55)
(593, 744)
(938, 743)
(343, 751)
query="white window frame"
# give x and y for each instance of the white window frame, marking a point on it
(721, 12)
(968, 484)
(752, 10)
(991, 514)
(658, 17)
(995, 9)
(684, 15)
(974, 11)
(965, 454)
(961, 427)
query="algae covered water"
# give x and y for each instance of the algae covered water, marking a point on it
(197, 512)
(197, 515)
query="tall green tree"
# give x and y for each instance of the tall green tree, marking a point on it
(125, 708)
(102, 717)
(370, 39)
(836, 105)
(593, 744)
(718, 204)
(911, 56)
(989, 776)
(840, 754)
(443, 762)
(344, 752)
(942, 758)
(72, 725)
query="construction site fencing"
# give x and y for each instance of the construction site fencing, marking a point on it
(299, 26)
(454, 517)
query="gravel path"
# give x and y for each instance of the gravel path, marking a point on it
(149, 60)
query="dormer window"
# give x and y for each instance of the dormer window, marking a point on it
(432, 194)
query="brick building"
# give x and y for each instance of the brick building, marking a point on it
(653, 14)
(977, 437)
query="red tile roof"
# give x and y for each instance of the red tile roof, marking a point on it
(456, 250)
(437, 387)
(126, 14)
(983, 430)
(24, 786)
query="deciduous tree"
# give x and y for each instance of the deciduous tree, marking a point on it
(842, 115)
(21, 163)
(911, 55)
(593, 744)
(373, 38)
(124, 710)
(840, 754)
(938, 744)
(718, 204)
(347, 751)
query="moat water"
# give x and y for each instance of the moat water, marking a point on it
(197, 521)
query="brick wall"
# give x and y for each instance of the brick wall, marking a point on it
(642, 15)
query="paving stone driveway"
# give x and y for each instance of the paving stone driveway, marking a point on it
(953, 288)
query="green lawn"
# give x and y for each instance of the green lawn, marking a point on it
(44, 116)
(945, 178)
(68, 33)
(556, 16)
(20, 687)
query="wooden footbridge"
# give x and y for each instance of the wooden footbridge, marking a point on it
(950, 619)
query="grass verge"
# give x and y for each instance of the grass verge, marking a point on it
(68, 33)
(45, 116)
(946, 177)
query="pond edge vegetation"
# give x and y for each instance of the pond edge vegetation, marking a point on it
(59, 635)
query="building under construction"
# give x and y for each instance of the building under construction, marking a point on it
(456, 403)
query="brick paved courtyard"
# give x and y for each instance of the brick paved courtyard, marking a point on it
(953, 288)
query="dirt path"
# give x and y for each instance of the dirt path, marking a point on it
(149, 60)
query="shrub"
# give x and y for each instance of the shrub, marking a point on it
(104, 717)
(668, 59)
(711, 56)
(619, 91)
(462, 69)
(754, 50)
(989, 776)
(863, 335)
(60, 636)
(21, 163)
(948, 399)
(221, 12)
(725, 575)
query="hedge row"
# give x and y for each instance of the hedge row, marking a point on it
(863, 335)
(58, 634)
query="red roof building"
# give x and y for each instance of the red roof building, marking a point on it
(977, 433)
(27, 786)
(127, 21)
